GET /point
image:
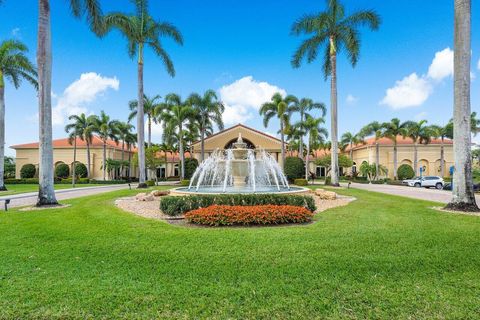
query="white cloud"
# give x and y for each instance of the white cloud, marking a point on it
(442, 65)
(351, 100)
(421, 116)
(244, 97)
(16, 33)
(411, 91)
(80, 93)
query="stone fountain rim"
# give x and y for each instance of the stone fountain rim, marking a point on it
(298, 190)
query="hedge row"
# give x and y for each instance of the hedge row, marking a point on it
(65, 181)
(248, 215)
(178, 205)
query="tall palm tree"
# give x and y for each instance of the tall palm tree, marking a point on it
(73, 134)
(332, 31)
(106, 129)
(130, 140)
(85, 127)
(175, 118)
(439, 132)
(150, 104)
(14, 67)
(316, 134)
(79, 8)
(123, 130)
(209, 110)
(392, 130)
(303, 107)
(143, 30)
(278, 107)
(463, 194)
(374, 128)
(349, 139)
(419, 132)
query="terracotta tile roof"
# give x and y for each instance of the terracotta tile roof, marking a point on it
(245, 127)
(400, 141)
(64, 143)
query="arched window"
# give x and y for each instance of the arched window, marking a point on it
(230, 143)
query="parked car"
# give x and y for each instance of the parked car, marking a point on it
(426, 182)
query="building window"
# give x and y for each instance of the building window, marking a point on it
(176, 170)
(320, 171)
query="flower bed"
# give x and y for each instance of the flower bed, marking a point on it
(224, 215)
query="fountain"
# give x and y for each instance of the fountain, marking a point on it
(239, 170)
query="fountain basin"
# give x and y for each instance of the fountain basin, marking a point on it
(239, 190)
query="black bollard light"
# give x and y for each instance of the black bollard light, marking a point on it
(7, 202)
(130, 186)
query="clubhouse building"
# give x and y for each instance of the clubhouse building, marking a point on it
(428, 154)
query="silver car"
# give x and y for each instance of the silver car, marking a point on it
(426, 182)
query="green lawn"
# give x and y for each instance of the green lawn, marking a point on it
(23, 188)
(380, 257)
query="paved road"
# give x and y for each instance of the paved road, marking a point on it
(30, 198)
(411, 192)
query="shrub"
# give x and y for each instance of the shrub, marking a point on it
(28, 171)
(62, 170)
(173, 178)
(405, 171)
(300, 182)
(294, 168)
(22, 181)
(142, 185)
(77, 181)
(251, 215)
(185, 183)
(150, 183)
(178, 205)
(191, 165)
(93, 181)
(81, 170)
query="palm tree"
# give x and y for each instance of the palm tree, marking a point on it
(374, 128)
(165, 148)
(419, 133)
(149, 107)
(175, 117)
(142, 30)
(73, 132)
(130, 140)
(392, 130)
(463, 193)
(278, 107)
(332, 31)
(106, 129)
(79, 8)
(14, 66)
(209, 110)
(303, 107)
(85, 126)
(349, 139)
(124, 129)
(315, 134)
(439, 132)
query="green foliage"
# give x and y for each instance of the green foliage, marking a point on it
(300, 182)
(294, 168)
(326, 161)
(28, 171)
(185, 183)
(9, 167)
(93, 181)
(191, 165)
(81, 170)
(405, 171)
(77, 181)
(62, 170)
(150, 183)
(176, 205)
(22, 181)
(370, 170)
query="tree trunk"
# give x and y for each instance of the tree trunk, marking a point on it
(415, 159)
(104, 159)
(88, 157)
(182, 154)
(395, 160)
(282, 136)
(442, 160)
(74, 159)
(462, 188)
(334, 129)
(307, 158)
(301, 138)
(377, 160)
(122, 169)
(129, 162)
(140, 119)
(2, 133)
(149, 143)
(202, 151)
(46, 192)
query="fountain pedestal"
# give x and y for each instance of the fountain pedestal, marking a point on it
(239, 181)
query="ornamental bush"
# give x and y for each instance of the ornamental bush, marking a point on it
(178, 205)
(81, 170)
(191, 165)
(62, 171)
(294, 168)
(300, 182)
(27, 171)
(150, 183)
(185, 183)
(405, 171)
(224, 215)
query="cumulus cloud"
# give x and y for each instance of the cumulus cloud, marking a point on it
(244, 97)
(411, 91)
(442, 65)
(80, 93)
(351, 99)
(16, 33)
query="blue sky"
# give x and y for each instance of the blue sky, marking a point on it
(242, 49)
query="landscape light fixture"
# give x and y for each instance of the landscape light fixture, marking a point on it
(7, 202)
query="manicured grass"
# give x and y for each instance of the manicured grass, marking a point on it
(380, 257)
(24, 188)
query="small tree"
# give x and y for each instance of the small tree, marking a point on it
(81, 170)
(405, 171)
(294, 168)
(370, 170)
(62, 171)
(191, 165)
(9, 165)
(27, 171)
(326, 161)
(152, 161)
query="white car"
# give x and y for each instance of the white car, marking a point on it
(426, 182)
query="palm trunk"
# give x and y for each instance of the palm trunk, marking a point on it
(202, 147)
(282, 136)
(74, 159)
(123, 158)
(415, 159)
(463, 195)
(104, 159)
(307, 158)
(129, 162)
(149, 142)
(334, 129)
(182, 154)
(442, 159)
(2, 133)
(351, 151)
(377, 159)
(301, 138)
(395, 160)
(46, 192)
(140, 120)
(88, 157)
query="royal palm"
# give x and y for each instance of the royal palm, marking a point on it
(419, 132)
(142, 30)
(316, 135)
(392, 130)
(106, 129)
(14, 67)
(278, 107)
(374, 128)
(439, 132)
(351, 140)
(84, 127)
(150, 104)
(330, 32)
(79, 8)
(124, 129)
